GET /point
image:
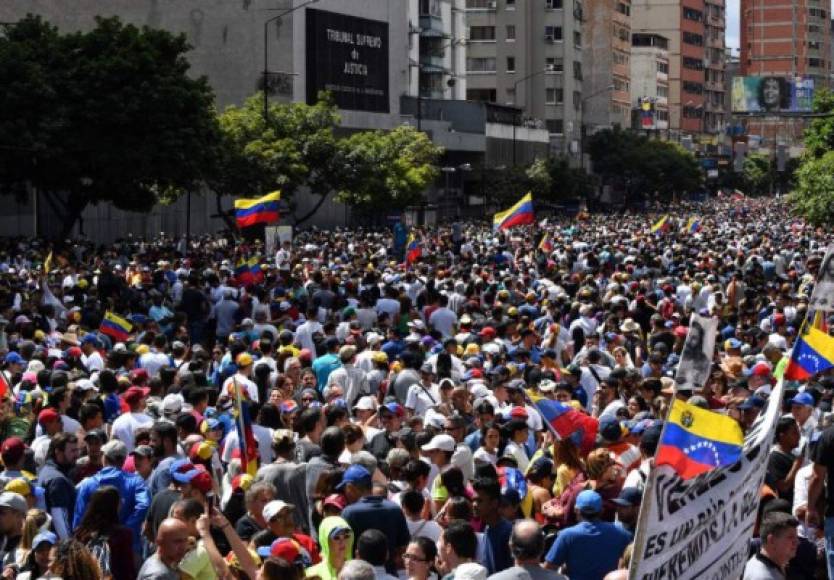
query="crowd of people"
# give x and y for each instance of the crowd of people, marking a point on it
(392, 402)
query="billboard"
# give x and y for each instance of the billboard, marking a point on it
(772, 94)
(347, 56)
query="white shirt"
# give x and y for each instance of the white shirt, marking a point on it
(245, 383)
(589, 383)
(125, 426)
(304, 334)
(263, 435)
(93, 362)
(424, 529)
(153, 361)
(68, 425)
(443, 320)
(517, 452)
(419, 401)
(389, 305)
(40, 447)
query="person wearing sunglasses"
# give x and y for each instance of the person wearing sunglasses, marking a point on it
(336, 541)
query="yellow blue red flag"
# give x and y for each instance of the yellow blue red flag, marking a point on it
(520, 214)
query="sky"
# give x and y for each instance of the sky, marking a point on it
(731, 33)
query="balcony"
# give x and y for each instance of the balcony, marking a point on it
(432, 60)
(716, 21)
(431, 25)
(481, 5)
(715, 42)
(714, 86)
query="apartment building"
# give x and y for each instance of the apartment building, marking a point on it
(437, 49)
(650, 83)
(528, 53)
(606, 99)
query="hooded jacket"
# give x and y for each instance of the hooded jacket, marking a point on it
(324, 569)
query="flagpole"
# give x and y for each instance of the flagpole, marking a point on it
(544, 419)
(241, 428)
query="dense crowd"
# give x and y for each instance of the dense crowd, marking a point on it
(392, 404)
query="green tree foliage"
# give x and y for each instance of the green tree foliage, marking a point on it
(387, 168)
(105, 115)
(638, 166)
(757, 174)
(813, 192)
(554, 180)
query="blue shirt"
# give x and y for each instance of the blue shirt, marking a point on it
(589, 549)
(374, 512)
(498, 555)
(323, 366)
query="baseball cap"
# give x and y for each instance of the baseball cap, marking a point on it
(629, 496)
(96, 434)
(732, 343)
(752, 402)
(135, 394)
(14, 358)
(442, 442)
(805, 399)
(244, 359)
(609, 429)
(366, 403)
(286, 549)
(354, 474)
(589, 502)
(44, 537)
(394, 408)
(336, 500)
(143, 450)
(15, 501)
(13, 448)
(48, 415)
(275, 507)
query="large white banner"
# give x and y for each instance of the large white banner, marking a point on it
(696, 357)
(822, 298)
(700, 528)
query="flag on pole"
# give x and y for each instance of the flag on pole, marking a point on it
(661, 224)
(738, 195)
(115, 327)
(248, 271)
(813, 353)
(696, 440)
(693, 225)
(568, 423)
(413, 248)
(47, 264)
(519, 214)
(243, 423)
(546, 243)
(263, 210)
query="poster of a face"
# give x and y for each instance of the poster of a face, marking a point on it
(823, 296)
(696, 357)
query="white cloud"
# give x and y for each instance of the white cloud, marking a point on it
(732, 32)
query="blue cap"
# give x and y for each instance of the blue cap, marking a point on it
(629, 496)
(354, 474)
(752, 402)
(138, 318)
(806, 399)
(47, 537)
(589, 502)
(733, 343)
(14, 358)
(89, 339)
(182, 476)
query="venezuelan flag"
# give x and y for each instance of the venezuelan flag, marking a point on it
(243, 423)
(812, 354)
(693, 225)
(520, 214)
(115, 327)
(660, 224)
(413, 249)
(568, 423)
(696, 440)
(263, 210)
(546, 244)
(249, 271)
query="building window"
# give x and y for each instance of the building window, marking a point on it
(510, 4)
(553, 96)
(555, 126)
(430, 8)
(620, 85)
(577, 38)
(622, 33)
(693, 88)
(693, 63)
(816, 12)
(511, 32)
(623, 8)
(816, 62)
(663, 67)
(577, 70)
(620, 57)
(480, 65)
(692, 14)
(488, 95)
(481, 33)
(814, 29)
(662, 91)
(553, 4)
(510, 64)
(552, 33)
(693, 112)
(577, 100)
(553, 64)
(692, 38)
(662, 115)
(814, 44)
(480, 4)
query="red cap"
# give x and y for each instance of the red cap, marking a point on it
(487, 332)
(760, 369)
(138, 374)
(202, 481)
(778, 319)
(476, 373)
(681, 331)
(74, 352)
(48, 415)
(518, 413)
(13, 449)
(286, 549)
(336, 500)
(134, 394)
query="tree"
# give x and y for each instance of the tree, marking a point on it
(390, 168)
(105, 115)
(758, 174)
(813, 193)
(554, 180)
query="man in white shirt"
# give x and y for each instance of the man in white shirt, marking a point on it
(283, 257)
(125, 425)
(443, 319)
(241, 377)
(307, 329)
(155, 359)
(91, 359)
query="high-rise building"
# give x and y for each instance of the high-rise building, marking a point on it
(528, 53)
(437, 51)
(695, 30)
(606, 99)
(650, 83)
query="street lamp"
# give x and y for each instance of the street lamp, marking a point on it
(515, 99)
(582, 123)
(266, 48)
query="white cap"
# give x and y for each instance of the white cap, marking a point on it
(441, 442)
(366, 403)
(172, 403)
(547, 386)
(434, 419)
(479, 391)
(373, 338)
(85, 385)
(274, 508)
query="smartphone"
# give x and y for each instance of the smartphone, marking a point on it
(210, 499)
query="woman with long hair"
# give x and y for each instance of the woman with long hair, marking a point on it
(73, 561)
(419, 559)
(35, 522)
(101, 533)
(37, 561)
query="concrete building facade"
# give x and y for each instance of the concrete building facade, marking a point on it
(606, 99)
(650, 83)
(437, 49)
(528, 53)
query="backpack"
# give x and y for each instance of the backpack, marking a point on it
(100, 549)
